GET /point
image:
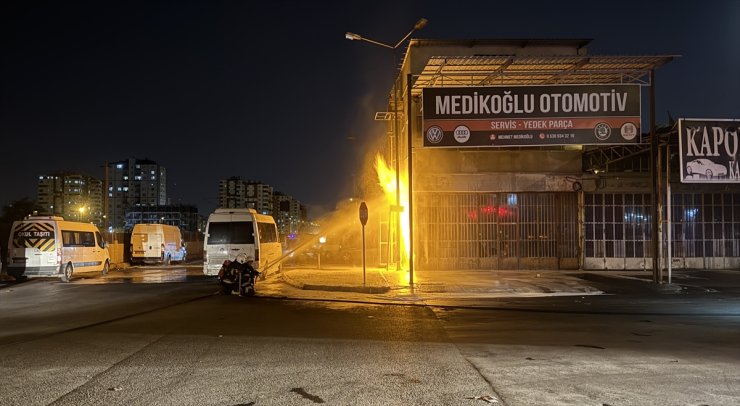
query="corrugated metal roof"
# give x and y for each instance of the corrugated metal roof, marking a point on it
(509, 70)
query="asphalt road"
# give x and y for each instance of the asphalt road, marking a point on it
(161, 336)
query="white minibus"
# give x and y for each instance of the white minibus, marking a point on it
(51, 246)
(230, 232)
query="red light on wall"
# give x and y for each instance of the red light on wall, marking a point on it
(488, 210)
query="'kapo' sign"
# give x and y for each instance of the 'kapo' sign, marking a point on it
(709, 150)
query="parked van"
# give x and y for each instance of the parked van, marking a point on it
(156, 243)
(230, 232)
(50, 246)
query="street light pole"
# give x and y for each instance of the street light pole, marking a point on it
(356, 37)
(409, 129)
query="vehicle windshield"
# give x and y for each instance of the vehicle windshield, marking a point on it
(233, 232)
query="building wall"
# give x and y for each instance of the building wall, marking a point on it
(237, 193)
(73, 196)
(536, 207)
(134, 182)
(232, 193)
(259, 196)
(184, 217)
(288, 214)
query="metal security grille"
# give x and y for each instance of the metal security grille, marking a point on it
(497, 230)
(618, 228)
(617, 225)
(705, 225)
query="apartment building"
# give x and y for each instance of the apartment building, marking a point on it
(73, 196)
(133, 182)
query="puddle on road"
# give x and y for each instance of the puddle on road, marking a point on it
(173, 275)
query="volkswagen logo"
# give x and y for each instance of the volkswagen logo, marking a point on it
(434, 134)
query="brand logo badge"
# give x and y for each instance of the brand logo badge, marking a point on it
(434, 134)
(602, 131)
(462, 134)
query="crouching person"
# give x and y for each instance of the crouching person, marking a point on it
(238, 276)
(227, 278)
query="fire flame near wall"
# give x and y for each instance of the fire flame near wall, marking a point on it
(387, 179)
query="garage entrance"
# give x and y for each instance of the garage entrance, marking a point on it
(500, 231)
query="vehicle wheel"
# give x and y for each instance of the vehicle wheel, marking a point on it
(67, 275)
(709, 173)
(106, 267)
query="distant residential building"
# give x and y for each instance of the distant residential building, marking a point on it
(134, 183)
(238, 193)
(73, 196)
(232, 193)
(185, 217)
(289, 213)
(260, 197)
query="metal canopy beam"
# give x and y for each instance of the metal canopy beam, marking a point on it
(508, 70)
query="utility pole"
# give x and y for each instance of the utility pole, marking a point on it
(396, 131)
(655, 174)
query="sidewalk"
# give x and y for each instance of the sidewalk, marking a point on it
(522, 283)
(469, 283)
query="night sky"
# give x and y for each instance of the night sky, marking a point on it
(272, 91)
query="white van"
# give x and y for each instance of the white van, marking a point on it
(156, 243)
(230, 232)
(50, 246)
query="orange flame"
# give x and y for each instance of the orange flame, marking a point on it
(387, 179)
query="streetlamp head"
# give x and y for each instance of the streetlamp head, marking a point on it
(352, 36)
(421, 23)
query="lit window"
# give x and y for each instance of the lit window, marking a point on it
(119, 166)
(125, 177)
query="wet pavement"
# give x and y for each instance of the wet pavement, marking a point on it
(471, 286)
(509, 283)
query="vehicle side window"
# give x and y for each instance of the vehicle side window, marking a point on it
(69, 238)
(99, 239)
(78, 239)
(268, 232)
(88, 239)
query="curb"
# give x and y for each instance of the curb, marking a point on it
(290, 281)
(355, 289)
(333, 288)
